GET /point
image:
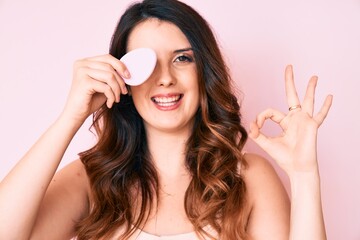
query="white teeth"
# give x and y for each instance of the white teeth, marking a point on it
(164, 100)
(166, 104)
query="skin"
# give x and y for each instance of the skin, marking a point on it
(167, 128)
(55, 200)
(295, 152)
(175, 75)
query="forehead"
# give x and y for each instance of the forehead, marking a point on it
(158, 35)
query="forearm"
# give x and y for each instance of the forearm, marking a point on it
(306, 208)
(23, 189)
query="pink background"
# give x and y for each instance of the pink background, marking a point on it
(41, 40)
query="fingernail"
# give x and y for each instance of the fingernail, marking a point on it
(126, 74)
(125, 91)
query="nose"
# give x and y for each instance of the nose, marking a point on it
(164, 76)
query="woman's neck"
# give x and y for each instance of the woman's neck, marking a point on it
(168, 152)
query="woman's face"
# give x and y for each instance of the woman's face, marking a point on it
(169, 99)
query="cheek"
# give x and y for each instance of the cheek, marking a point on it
(195, 86)
(139, 91)
(138, 95)
(195, 95)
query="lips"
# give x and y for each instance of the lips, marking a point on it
(167, 101)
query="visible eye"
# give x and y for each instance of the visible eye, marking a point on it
(183, 58)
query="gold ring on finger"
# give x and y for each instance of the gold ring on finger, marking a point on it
(294, 107)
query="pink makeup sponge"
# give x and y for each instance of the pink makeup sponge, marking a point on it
(141, 63)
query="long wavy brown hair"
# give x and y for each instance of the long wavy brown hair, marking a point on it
(119, 166)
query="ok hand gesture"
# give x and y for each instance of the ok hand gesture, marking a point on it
(295, 148)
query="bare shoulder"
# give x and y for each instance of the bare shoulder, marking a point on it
(66, 202)
(267, 198)
(72, 183)
(259, 176)
(71, 179)
(73, 173)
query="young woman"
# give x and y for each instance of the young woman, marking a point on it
(168, 163)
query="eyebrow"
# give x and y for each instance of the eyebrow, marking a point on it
(183, 50)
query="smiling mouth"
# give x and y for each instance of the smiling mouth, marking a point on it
(167, 101)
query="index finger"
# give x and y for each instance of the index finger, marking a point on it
(114, 62)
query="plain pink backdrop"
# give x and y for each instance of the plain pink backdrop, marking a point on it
(40, 40)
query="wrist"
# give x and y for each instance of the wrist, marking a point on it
(305, 183)
(68, 123)
(71, 121)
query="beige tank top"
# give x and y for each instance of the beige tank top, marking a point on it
(141, 235)
(185, 236)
